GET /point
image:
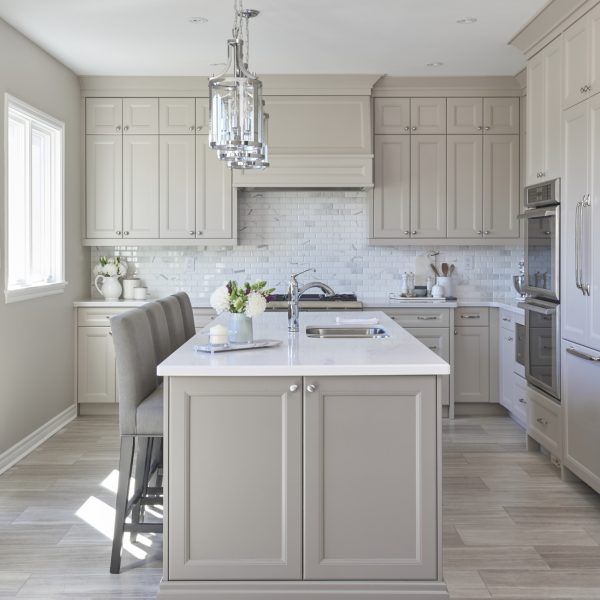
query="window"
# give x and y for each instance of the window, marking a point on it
(34, 224)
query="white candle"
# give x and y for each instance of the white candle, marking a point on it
(218, 334)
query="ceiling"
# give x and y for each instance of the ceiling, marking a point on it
(394, 37)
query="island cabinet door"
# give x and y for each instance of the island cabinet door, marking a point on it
(370, 464)
(235, 478)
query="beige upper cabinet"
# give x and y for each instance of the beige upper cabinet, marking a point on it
(140, 116)
(391, 210)
(214, 198)
(465, 186)
(140, 186)
(362, 522)
(465, 115)
(428, 115)
(428, 186)
(202, 116)
(103, 115)
(178, 186)
(391, 115)
(104, 186)
(581, 45)
(501, 199)
(543, 142)
(177, 115)
(501, 115)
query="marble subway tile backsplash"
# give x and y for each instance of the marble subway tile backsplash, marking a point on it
(282, 232)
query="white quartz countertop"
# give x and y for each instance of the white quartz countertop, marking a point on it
(400, 354)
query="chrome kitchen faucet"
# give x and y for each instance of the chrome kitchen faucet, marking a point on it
(294, 294)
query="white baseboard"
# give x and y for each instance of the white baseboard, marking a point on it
(28, 444)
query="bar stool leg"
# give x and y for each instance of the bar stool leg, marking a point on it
(143, 457)
(125, 464)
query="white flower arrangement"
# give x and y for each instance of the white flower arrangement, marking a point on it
(111, 267)
(248, 299)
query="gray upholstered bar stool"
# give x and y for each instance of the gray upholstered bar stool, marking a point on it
(174, 316)
(188, 314)
(140, 415)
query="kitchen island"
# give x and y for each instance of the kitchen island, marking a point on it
(308, 470)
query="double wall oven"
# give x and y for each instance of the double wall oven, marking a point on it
(542, 286)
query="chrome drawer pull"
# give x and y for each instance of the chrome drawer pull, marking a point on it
(522, 401)
(432, 347)
(506, 319)
(470, 316)
(422, 318)
(510, 339)
(583, 355)
(542, 421)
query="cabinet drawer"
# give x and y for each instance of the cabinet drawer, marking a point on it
(543, 420)
(471, 317)
(96, 317)
(509, 319)
(420, 317)
(519, 408)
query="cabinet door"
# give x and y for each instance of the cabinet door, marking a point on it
(428, 186)
(471, 364)
(465, 186)
(140, 186)
(391, 210)
(391, 115)
(428, 115)
(140, 116)
(104, 186)
(594, 51)
(95, 365)
(552, 111)
(362, 522)
(213, 194)
(592, 222)
(574, 314)
(202, 116)
(103, 115)
(437, 339)
(576, 62)
(507, 358)
(465, 115)
(536, 119)
(501, 198)
(177, 115)
(501, 115)
(235, 478)
(581, 412)
(178, 186)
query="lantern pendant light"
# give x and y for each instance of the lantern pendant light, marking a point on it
(238, 122)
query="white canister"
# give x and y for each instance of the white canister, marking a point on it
(129, 286)
(139, 293)
(437, 291)
(447, 284)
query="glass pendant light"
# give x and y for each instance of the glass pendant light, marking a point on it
(238, 122)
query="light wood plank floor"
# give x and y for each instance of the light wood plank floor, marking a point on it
(512, 529)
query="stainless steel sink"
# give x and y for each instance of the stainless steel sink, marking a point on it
(346, 332)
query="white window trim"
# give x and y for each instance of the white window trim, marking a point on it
(43, 289)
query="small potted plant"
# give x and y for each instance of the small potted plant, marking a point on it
(243, 303)
(109, 269)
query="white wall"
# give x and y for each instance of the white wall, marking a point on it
(36, 336)
(282, 232)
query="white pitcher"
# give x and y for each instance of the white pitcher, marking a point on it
(111, 288)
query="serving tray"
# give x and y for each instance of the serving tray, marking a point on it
(231, 347)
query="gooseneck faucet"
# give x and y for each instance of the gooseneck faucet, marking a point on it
(294, 293)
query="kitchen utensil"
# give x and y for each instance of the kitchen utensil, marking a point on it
(447, 284)
(452, 267)
(435, 270)
(445, 269)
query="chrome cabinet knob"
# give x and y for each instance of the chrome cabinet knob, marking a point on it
(413, 128)
(480, 127)
(293, 388)
(407, 232)
(487, 128)
(414, 232)
(510, 339)
(522, 401)
(542, 421)
(118, 128)
(118, 232)
(486, 232)
(199, 128)
(192, 128)
(582, 90)
(126, 128)
(407, 128)
(480, 232)
(126, 233)
(191, 232)
(311, 388)
(198, 232)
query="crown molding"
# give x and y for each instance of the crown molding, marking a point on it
(548, 23)
(394, 87)
(197, 87)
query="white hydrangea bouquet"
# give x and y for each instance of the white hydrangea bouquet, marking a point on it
(249, 299)
(111, 266)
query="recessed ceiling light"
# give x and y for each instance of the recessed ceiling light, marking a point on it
(466, 20)
(435, 64)
(197, 20)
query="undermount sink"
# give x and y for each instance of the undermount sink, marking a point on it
(346, 332)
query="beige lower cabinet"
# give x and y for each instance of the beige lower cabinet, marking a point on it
(95, 365)
(305, 480)
(471, 364)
